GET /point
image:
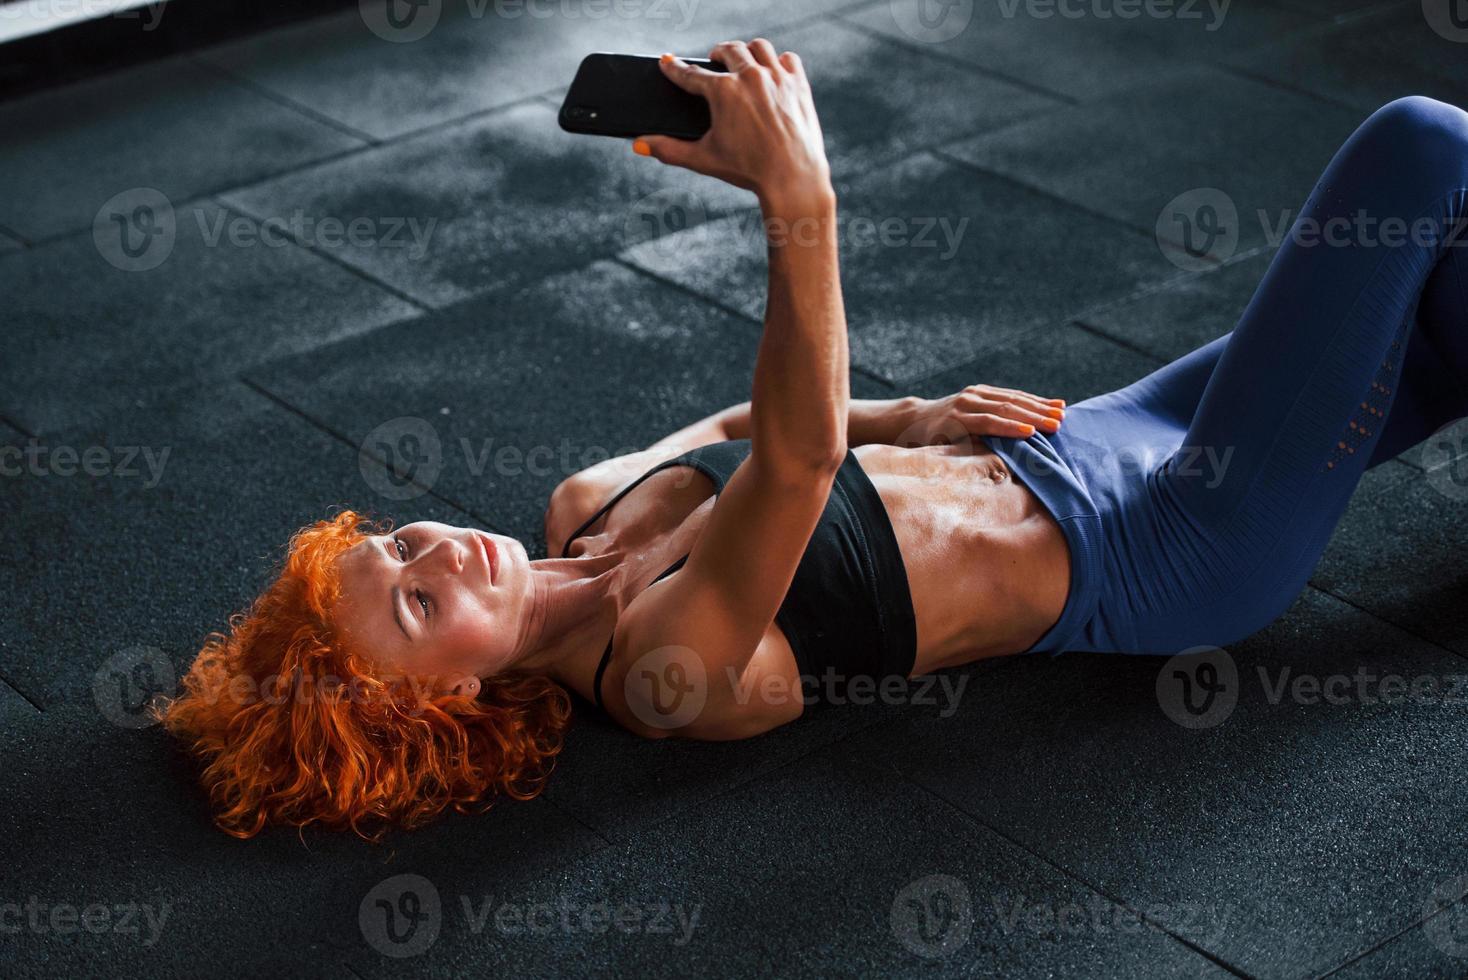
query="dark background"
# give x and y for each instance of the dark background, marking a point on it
(570, 299)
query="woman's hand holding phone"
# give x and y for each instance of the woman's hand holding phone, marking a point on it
(764, 134)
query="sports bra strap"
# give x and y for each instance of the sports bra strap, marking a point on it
(606, 657)
(717, 461)
(601, 511)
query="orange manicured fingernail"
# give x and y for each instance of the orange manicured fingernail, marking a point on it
(641, 148)
(666, 58)
(1027, 430)
(1055, 413)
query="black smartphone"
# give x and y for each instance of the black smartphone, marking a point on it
(626, 95)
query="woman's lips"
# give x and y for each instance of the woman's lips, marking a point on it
(491, 556)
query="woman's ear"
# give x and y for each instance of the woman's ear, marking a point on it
(466, 687)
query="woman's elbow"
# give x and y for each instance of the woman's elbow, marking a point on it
(791, 468)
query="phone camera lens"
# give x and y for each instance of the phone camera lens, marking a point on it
(581, 112)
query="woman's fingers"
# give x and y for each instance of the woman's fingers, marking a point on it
(669, 150)
(996, 401)
(1026, 397)
(1045, 423)
(690, 78)
(733, 54)
(1017, 412)
(764, 53)
(1022, 394)
(980, 424)
(1042, 405)
(1053, 407)
(764, 135)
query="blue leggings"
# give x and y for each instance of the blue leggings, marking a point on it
(1199, 499)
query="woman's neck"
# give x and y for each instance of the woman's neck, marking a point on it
(573, 603)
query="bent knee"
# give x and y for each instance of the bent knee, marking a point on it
(1421, 133)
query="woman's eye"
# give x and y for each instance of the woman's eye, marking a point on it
(424, 603)
(402, 551)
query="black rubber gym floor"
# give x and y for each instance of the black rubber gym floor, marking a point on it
(229, 276)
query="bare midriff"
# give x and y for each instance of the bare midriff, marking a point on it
(987, 565)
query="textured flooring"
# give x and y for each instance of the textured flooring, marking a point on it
(199, 355)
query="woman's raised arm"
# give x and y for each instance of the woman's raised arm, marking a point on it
(764, 137)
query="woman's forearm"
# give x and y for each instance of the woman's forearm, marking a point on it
(766, 138)
(799, 405)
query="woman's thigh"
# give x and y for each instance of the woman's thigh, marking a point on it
(1301, 394)
(1353, 346)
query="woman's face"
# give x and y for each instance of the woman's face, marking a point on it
(435, 602)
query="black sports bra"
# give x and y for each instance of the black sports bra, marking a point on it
(848, 612)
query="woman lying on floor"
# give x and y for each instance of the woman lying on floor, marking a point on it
(733, 584)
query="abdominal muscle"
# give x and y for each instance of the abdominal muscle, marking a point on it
(987, 565)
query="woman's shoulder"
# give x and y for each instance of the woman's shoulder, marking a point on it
(578, 498)
(657, 683)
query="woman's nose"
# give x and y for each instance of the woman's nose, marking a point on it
(448, 555)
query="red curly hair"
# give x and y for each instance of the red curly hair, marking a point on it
(293, 728)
